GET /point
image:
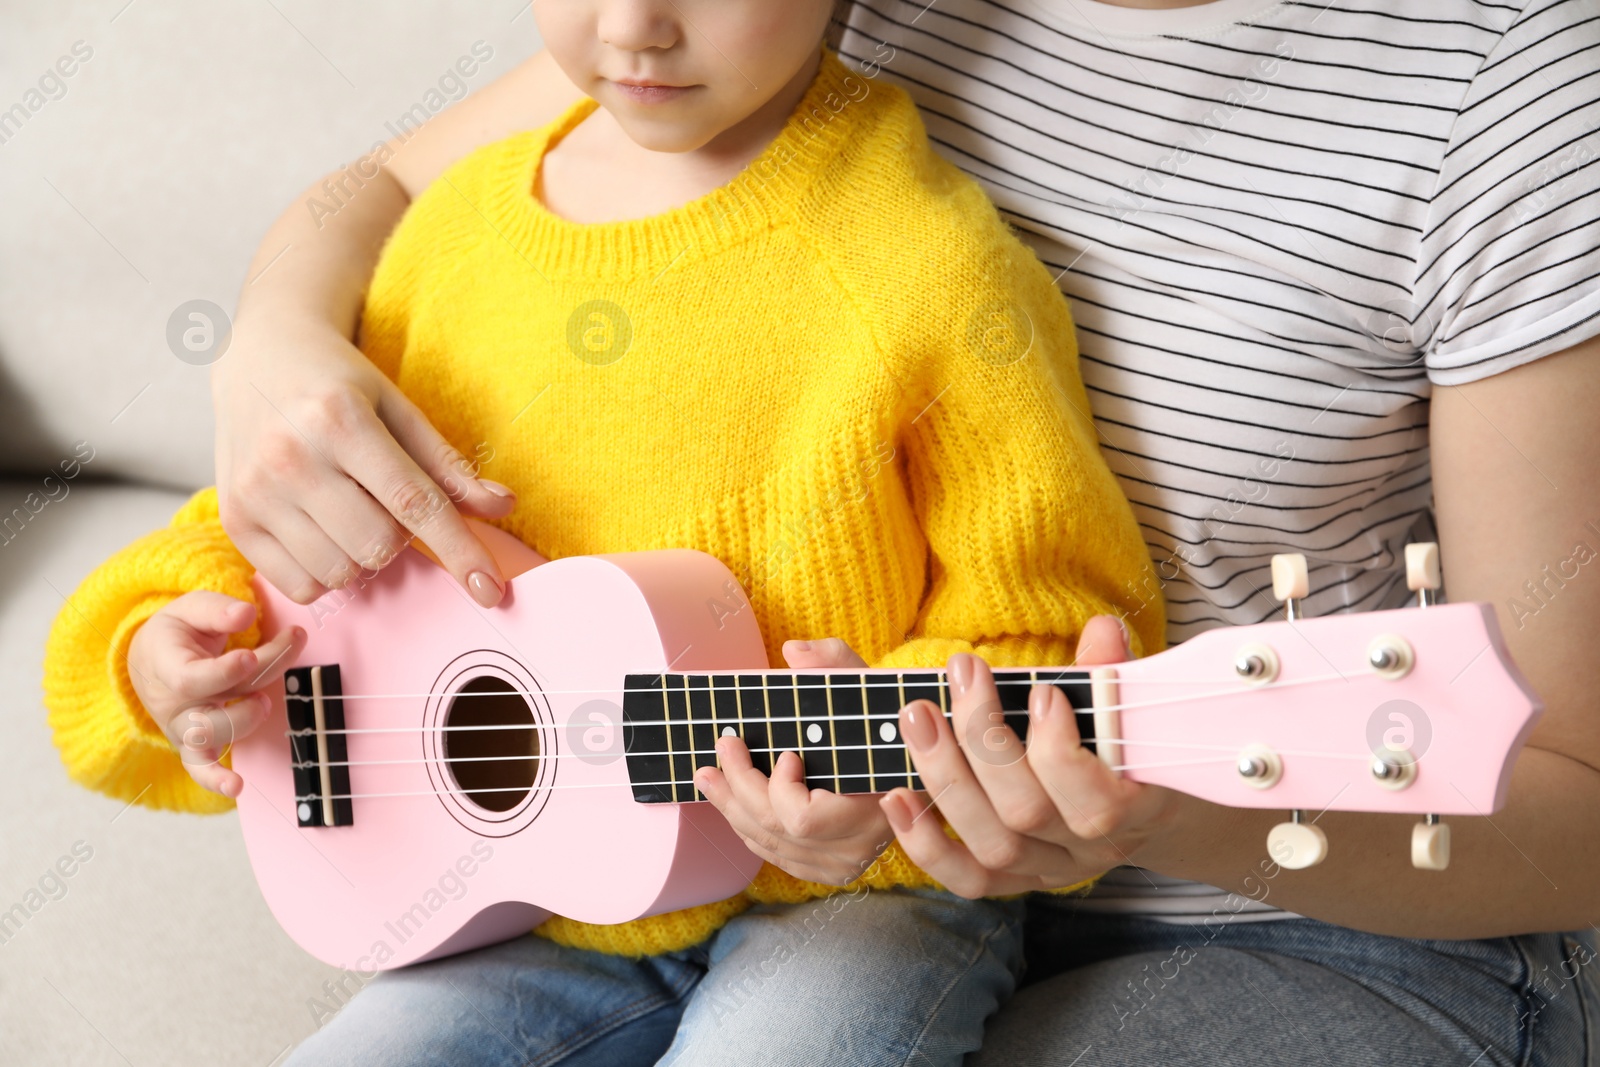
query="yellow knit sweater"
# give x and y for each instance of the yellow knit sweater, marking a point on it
(840, 374)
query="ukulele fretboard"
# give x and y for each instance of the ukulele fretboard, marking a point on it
(844, 726)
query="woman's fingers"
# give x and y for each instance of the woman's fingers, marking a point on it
(456, 474)
(1093, 801)
(997, 757)
(920, 831)
(273, 561)
(951, 783)
(402, 461)
(1102, 641)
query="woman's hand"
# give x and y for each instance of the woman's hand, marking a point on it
(811, 833)
(1039, 816)
(202, 697)
(325, 469)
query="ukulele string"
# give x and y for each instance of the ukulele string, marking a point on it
(313, 798)
(777, 751)
(1131, 706)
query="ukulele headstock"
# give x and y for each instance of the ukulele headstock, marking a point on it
(1416, 711)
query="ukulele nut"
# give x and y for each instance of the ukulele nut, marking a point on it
(1390, 656)
(1256, 664)
(1394, 769)
(1259, 767)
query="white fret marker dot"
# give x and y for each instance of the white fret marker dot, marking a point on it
(887, 731)
(728, 731)
(292, 684)
(814, 733)
(304, 813)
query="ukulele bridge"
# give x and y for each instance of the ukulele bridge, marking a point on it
(314, 700)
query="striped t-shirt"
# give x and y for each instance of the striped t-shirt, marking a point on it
(1279, 223)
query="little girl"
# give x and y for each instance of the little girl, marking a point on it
(730, 301)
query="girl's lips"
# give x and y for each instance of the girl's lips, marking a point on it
(651, 94)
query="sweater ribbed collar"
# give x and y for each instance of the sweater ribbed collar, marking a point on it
(764, 193)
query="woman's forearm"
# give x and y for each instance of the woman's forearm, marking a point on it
(1516, 483)
(1532, 866)
(316, 259)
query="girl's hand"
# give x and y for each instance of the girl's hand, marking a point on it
(202, 697)
(1037, 817)
(324, 468)
(813, 834)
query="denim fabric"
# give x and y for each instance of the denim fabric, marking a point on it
(904, 977)
(1110, 990)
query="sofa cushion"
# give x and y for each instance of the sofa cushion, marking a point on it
(144, 150)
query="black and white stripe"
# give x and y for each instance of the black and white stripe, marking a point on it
(1279, 224)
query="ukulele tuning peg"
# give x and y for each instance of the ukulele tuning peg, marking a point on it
(1430, 844)
(1297, 844)
(1291, 582)
(1422, 571)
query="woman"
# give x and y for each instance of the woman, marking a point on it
(1329, 264)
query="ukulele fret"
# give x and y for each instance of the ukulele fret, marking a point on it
(866, 724)
(841, 748)
(852, 756)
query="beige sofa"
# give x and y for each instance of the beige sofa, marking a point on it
(144, 148)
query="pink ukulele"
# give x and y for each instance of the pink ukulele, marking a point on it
(439, 776)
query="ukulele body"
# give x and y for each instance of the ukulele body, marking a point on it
(424, 871)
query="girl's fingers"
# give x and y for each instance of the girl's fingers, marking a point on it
(201, 734)
(203, 677)
(210, 612)
(273, 657)
(826, 652)
(218, 779)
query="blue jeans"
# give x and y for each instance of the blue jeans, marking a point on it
(905, 977)
(1117, 990)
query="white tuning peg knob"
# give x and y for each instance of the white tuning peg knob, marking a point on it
(1430, 845)
(1298, 844)
(1291, 582)
(1422, 571)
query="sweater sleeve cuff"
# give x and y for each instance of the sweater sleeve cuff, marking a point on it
(107, 740)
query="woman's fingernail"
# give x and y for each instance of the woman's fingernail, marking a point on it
(228, 788)
(801, 646)
(496, 488)
(1127, 635)
(1038, 702)
(917, 725)
(960, 669)
(894, 809)
(484, 589)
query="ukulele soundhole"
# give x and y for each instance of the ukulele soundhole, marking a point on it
(491, 743)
